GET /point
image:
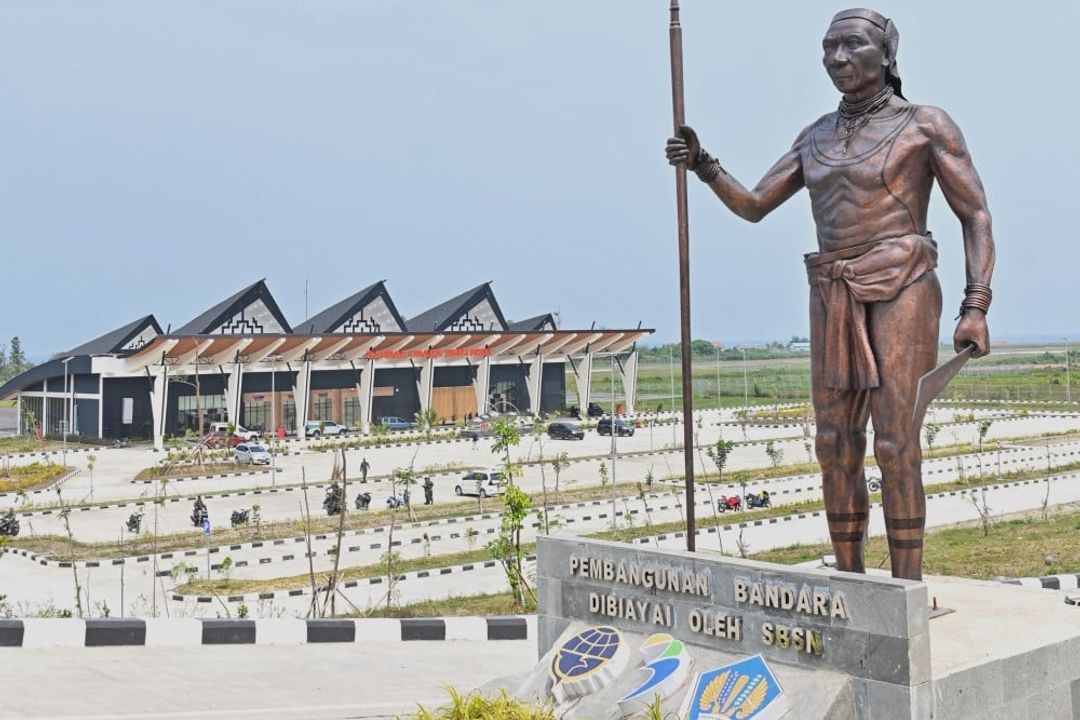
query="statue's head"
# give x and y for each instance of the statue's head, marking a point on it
(860, 52)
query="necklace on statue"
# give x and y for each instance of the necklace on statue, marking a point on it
(851, 117)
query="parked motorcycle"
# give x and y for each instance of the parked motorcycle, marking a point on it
(363, 500)
(9, 525)
(134, 522)
(397, 501)
(726, 502)
(873, 484)
(240, 517)
(199, 513)
(334, 501)
(758, 501)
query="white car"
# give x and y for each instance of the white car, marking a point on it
(251, 453)
(482, 483)
(317, 428)
(249, 435)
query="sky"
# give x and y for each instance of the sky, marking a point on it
(156, 156)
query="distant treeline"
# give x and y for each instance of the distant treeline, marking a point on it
(701, 349)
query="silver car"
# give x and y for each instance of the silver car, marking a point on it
(252, 454)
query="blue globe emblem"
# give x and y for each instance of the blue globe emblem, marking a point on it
(586, 653)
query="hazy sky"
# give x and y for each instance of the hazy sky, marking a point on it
(157, 156)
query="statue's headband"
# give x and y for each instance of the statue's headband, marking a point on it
(870, 16)
(892, 38)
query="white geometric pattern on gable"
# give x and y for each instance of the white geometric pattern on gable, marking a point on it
(372, 318)
(481, 317)
(148, 333)
(256, 318)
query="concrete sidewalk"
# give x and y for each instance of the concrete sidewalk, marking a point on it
(309, 682)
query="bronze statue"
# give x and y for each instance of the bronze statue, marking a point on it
(875, 301)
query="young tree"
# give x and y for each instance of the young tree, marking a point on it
(719, 454)
(932, 431)
(776, 455)
(506, 436)
(559, 463)
(506, 547)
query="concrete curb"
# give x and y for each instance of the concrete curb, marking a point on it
(112, 632)
(1067, 581)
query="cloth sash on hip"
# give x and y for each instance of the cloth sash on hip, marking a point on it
(850, 278)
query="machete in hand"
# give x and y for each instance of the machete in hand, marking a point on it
(932, 383)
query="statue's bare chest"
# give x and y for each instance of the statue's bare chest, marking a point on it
(833, 159)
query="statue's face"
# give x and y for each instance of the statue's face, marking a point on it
(855, 57)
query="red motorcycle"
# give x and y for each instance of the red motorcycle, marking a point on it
(726, 502)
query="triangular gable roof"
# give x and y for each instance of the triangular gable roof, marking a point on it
(348, 315)
(445, 315)
(116, 340)
(534, 324)
(217, 318)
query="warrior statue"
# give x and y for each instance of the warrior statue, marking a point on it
(875, 301)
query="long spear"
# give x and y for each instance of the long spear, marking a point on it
(675, 33)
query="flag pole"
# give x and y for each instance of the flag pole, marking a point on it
(675, 33)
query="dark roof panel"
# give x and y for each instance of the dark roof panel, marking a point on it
(212, 319)
(533, 324)
(332, 318)
(444, 314)
(114, 340)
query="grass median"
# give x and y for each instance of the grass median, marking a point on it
(1022, 547)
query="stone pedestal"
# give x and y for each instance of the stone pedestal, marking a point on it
(844, 646)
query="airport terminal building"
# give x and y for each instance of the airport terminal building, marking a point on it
(353, 363)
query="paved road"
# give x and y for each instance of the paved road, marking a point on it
(309, 682)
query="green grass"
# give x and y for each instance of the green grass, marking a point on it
(26, 478)
(1013, 548)
(476, 706)
(225, 586)
(178, 472)
(467, 606)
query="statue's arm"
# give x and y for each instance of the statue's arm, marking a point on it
(963, 190)
(783, 179)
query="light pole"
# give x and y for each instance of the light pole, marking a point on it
(717, 346)
(273, 424)
(614, 526)
(745, 385)
(64, 422)
(1068, 379)
(671, 370)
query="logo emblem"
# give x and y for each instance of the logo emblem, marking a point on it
(666, 668)
(745, 690)
(587, 662)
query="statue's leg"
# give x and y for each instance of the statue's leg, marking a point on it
(904, 335)
(841, 446)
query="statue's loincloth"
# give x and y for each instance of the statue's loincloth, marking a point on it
(850, 278)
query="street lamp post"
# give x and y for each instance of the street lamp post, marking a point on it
(273, 424)
(717, 346)
(745, 385)
(614, 527)
(1068, 378)
(64, 422)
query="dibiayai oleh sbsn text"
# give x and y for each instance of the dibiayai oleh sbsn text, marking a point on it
(804, 601)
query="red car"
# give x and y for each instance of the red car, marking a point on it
(221, 439)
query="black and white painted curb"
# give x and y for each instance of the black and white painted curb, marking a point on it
(101, 632)
(1066, 582)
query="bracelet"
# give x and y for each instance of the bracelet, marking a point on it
(976, 296)
(706, 167)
